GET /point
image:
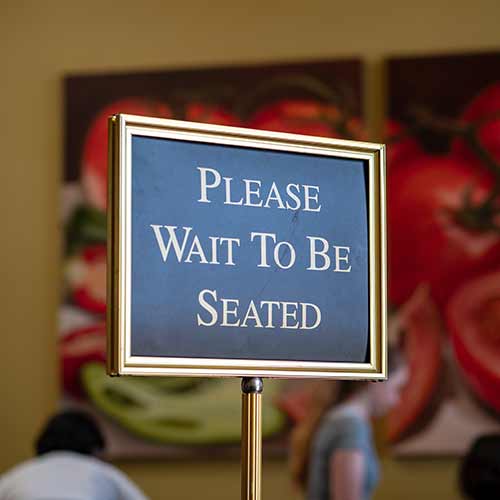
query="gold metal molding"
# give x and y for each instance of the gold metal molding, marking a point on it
(120, 361)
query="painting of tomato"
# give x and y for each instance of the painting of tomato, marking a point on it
(308, 117)
(192, 415)
(94, 163)
(443, 199)
(442, 196)
(86, 275)
(483, 114)
(419, 324)
(473, 319)
(77, 348)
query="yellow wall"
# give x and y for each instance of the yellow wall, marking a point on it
(41, 41)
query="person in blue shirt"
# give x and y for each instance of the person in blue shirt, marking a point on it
(333, 455)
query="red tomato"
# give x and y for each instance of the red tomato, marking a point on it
(206, 113)
(307, 117)
(431, 239)
(95, 149)
(77, 348)
(473, 319)
(86, 274)
(296, 403)
(401, 147)
(483, 110)
(420, 323)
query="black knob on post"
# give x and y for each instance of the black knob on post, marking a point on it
(252, 385)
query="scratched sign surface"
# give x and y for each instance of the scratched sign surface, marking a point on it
(247, 253)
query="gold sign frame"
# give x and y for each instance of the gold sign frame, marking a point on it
(120, 361)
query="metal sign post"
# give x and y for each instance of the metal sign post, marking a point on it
(251, 438)
(196, 211)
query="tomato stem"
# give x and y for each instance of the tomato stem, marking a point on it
(339, 97)
(469, 132)
(479, 216)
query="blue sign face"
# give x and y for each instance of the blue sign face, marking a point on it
(243, 253)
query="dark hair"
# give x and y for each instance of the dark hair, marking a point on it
(480, 470)
(70, 431)
(347, 388)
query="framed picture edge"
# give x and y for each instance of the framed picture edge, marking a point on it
(119, 359)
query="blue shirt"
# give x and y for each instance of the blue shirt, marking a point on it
(341, 429)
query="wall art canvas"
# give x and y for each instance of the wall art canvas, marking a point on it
(147, 417)
(443, 137)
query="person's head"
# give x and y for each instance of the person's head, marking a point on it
(479, 475)
(382, 396)
(385, 395)
(70, 431)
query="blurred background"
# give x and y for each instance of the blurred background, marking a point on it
(411, 76)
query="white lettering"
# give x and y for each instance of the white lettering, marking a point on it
(214, 240)
(230, 241)
(277, 257)
(172, 241)
(293, 196)
(308, 196)
(286, 197)
(274, 194)
(292, 315)
(208, 307)
(314, 252)
(304, 307)
(249, 193)
(203, 182)
(252, 314)
(269, 304)
(287, 314)
(263, 248)
(196, 250)
(226, 311)
(227, 181)
(341, 258)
